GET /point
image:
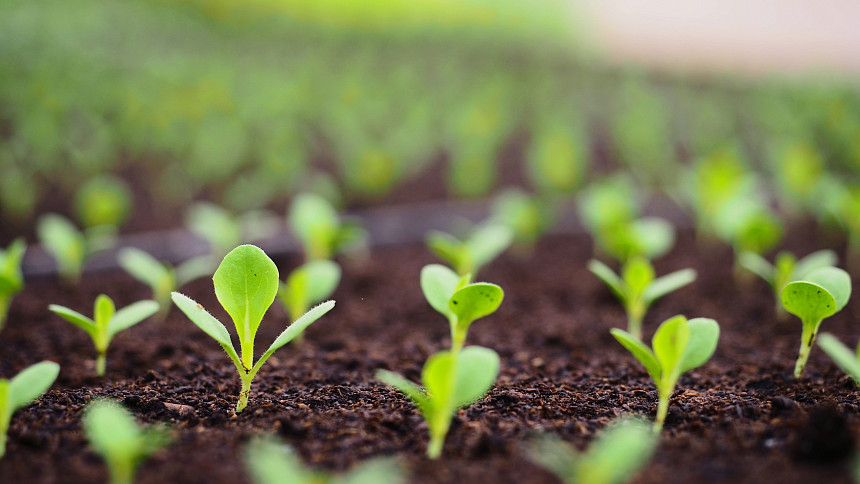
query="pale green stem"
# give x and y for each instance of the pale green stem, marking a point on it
(662, 410)
(2, 443)
(4, 308)
(807, 338)
(635, 315)
(121, 473)
(434, 449)
(101, 363)
(245, 393)
(458, 335)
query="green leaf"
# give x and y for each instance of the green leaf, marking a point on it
(815, 260)
(374, 471)
(131, 315)
(609, 277)
(475, 301)
(616, 455)
(31, 383)
(758, 265)
(193, 269)
(75, 318)
(202, 318)
(668, 284)
(111, 430)
(11, 278)
(323, 277)
(704, 334)
(299, 326)
(654, 236)
(486, 242)
(439, 379)
(841, 355)
(215, 225)
(64, 241)
(270, 462)
(438, 284)
(670, 342)
(103, 311)
(246, 284)
(637, 274)
(835, 280)
(315, 223)
(145, 268)
(450, 250)
(811, 301)
(411, 390)
(555, 455)
(477, 369)
(639, 351)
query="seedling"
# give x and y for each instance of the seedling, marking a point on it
(557, 155)
(483, 244)
(119, 440)
(23, 390)
(66, 243)
(270, 462)
(104, 201)
(820, 294)
(307, 285)
(612, 458)
(246, 284)
(322, 234)
(452, 380)
(223, 230)
(106, 322)
(11, 278)
(786, 268)
(844, 358)
(460, 302)
(637, 288)
(678, 346)
(161, 277)
(527, 216)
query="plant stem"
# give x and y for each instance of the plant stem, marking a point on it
(807, 338)
(4, 307)
(635, 314)
(244, 394)
(434, 448)
(662, 411)
(101, 363)
(2, 443)
(121, 473)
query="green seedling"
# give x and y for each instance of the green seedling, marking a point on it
(678, 346)
(847, 360)
(66, 243)
(161, 277)
(484, 243)
(822, 293)
(557, 155)
(452, 380)
(462, 303)
(637, 288)
(316, 224)
(527, 216)
(271, 462)
(223, 230)
(246, 284)
(612, 458)
(105, 202)
(712, 182)
(310, 284)
(106, 322)
(23, 390)
(785, 268)
(11, 277)
(115, 435)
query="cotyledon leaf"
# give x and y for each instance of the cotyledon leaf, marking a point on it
(246, 284)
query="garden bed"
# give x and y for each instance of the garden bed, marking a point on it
(740, 418)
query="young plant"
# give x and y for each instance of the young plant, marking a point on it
(452, 380)
(785, 268)
(119, 440)
(21, 391)
(462, 303)
(483, 244)
(820, 294)
(11, 278)
(637, 288)
(527, 216)
(106, 322)
(223, 230)
(66, 243)
(316, 224)
(307, 285)
(246, 284)
(271, 462)
(847, 360)
(678, 346)
(612, 458)
(161, 277)
(102, 205)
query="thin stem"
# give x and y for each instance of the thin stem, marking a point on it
(101, 363)
(807, 338)
(635, 315)
(244, 394)
(121, 473)
(2, 443)
(662, 410)
(4, 308)
(434, 448)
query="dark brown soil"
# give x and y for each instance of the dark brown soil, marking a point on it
(739, 418)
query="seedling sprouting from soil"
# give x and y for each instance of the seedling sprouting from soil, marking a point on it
(21, 391)
(161, 277)
(63, 240)
(460, 302)
(820, 294)
(527, 216)
(119, 440)
(246, 284)
(483, 244)
(844, 358)
(452, 380)
(637, 288)
(11, 278)
(223, 230)
(786, 268)
(320, 230)
(106, 322)
(309, 284)
(270, 462)
(678, 346)
(612, 458)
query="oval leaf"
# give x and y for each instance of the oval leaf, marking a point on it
(438, 284)
(669, 343)
(323, 277)
(31, 383)
(835, 280)
(477, 369)
(475, 301)
(246, 284)
(704, 334)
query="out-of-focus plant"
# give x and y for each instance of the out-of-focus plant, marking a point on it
(845, 358)
(713, 182)
(528, 216)
(557, 156)
(799, 171)
(102, 205)
(484, 242)
(22, 390)
(11, 277)
(785, 268)
(322, 233)
(309, 284)
(223, 230)
(749, 226)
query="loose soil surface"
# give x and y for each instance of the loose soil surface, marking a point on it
(739, 418)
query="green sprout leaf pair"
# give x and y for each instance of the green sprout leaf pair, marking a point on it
(320, 230)
(484, 243)
(246, 284)
(678, 346)
(106, 322)
(527, 216)
(452, 380)
(119, 440)
(309, 284)
(822, 293)
(22, 390)
(460, 302)
(648, 237)
(270, 462)
(637, 287)
(786, 268)
(66, 243)
(613, 458)
(11, 277)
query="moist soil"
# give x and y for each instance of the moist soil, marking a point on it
(739, 418)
